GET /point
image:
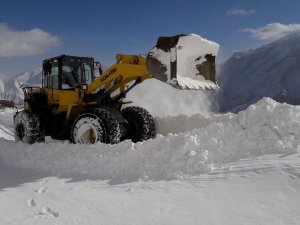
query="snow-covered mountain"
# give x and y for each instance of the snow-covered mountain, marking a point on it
(9, 89)
(9, 86)
(32, 76)
(272, 70)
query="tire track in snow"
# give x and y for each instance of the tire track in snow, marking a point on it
(8, 132)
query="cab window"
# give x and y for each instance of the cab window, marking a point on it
(87, 73)
(51, 75)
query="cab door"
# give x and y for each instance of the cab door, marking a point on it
(51, 81)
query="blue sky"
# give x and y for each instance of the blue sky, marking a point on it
(32, 30)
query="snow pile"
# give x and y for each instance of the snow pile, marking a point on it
(265, 128)
(191, 51)
(162, 100)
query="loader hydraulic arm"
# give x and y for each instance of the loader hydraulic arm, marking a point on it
(128, 68)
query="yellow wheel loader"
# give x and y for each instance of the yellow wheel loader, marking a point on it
(80, 103)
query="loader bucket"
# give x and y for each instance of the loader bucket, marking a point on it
(185, 61)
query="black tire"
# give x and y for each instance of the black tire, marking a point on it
(28, 128)
(101, 125)
(141, 125)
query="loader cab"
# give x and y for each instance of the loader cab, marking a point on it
(65, 72)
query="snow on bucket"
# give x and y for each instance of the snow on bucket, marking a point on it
(185, 61)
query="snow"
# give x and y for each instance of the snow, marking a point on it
(262, 190)
(271, 70)
(190, 51)
(162, 100)
(180, 154)
(6, 123)
(10, 86)
(226, 169)
(32, 76)
(9, 89)
(190, 48)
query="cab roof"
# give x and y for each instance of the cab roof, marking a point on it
(60, 57)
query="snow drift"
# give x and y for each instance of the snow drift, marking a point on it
(264, 128)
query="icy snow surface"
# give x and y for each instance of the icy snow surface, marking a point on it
(223, 169)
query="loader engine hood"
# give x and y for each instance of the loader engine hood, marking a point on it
(185, 61)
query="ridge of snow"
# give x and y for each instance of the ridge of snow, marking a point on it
(264, 128)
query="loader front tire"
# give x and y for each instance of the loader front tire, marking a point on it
(95, 125)
(28, 128)
(141, 125)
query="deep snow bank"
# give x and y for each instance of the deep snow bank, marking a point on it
(264, 128)
(162, 100)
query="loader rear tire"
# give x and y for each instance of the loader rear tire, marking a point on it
(95, 125)
(28, 128)
(141, 125)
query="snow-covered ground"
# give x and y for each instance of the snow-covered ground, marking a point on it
(6, 123)
(221, 169)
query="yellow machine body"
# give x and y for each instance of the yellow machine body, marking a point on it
(75, 96)
(115, 79)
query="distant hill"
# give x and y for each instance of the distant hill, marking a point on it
(9, 86)
(272, 70)
(33, 76)
(9, 89)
